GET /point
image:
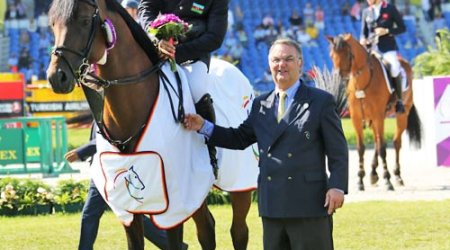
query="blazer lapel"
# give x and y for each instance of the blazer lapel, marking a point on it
(298, 107)
(267, 108)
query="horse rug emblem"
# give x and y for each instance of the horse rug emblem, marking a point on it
(135, 182)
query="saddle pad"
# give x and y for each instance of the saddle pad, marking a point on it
(135, 182)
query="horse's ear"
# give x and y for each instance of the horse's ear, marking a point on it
(330, 39)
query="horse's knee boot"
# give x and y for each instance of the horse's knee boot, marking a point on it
(399, 108)
(205, 108)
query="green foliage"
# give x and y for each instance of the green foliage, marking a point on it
(71, 191)
(18, 194)
(22, 194)
(435, 61)
(218, 197)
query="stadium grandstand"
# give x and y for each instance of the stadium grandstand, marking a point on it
(26, 40)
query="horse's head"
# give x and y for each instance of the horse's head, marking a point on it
(341, 54)
(79, 41)
(134, 180)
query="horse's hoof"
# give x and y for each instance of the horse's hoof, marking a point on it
(389, 186)
(400, 181)
(360, 187)
(373, 179)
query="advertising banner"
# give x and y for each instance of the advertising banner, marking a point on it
(11, 95)
(442, 119)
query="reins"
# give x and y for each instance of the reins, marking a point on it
(85, 74)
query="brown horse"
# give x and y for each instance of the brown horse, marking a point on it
(370, 101)
(125, 56)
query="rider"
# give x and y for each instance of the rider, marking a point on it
(209, 19)
(383, 21)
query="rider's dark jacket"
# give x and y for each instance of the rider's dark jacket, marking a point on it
(389, 18)
(209, 19)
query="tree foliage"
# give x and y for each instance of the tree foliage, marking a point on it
(434, 61)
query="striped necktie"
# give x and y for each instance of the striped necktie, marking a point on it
(281, 105)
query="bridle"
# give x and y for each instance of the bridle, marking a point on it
(85, 67)
(357, 73)
(85, 73)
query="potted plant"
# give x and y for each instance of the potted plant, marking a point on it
(70, 195)
(9, 200)
(25, 197)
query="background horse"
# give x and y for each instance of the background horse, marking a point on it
(128, 72)
(370, 100)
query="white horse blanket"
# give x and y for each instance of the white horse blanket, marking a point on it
(233, 96)
(169, 175)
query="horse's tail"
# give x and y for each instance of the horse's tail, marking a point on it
(414, 127)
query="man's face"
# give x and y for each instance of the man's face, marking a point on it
(372, 2)
(285, 65)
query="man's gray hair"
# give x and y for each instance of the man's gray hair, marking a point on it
(289, 42)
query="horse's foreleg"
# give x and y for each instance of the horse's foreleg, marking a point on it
(135, 233)
(386, 174)
(175, 238)
(240, 202)
(204, 222)
(378, 132)
(361, 172)
(358, 126)
(374, 175)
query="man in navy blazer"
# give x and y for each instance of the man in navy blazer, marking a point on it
(296, 196)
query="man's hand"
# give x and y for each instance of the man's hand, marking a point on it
(193, 122)
(167, 49)
(381, 31)
(334, 199)
(71, 156)
(364, 42)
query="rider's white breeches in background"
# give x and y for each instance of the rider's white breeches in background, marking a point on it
(392, 58)
(198, 78)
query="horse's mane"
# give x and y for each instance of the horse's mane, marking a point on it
(339, 43)
(138, 33)
(62, 11)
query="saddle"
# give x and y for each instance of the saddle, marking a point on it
(390, 80)
(386, 69)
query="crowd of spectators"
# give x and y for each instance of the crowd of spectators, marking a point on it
(26, 24)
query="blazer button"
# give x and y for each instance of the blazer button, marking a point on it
(261, 151)
(181, 7)
(289, 155)
(269, 178)
(289, 178)
(269, 155)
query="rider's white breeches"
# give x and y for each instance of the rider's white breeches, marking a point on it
(198, 78)
(392, 58)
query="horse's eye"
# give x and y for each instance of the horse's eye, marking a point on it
(86, 22)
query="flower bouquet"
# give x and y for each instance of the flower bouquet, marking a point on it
(169, 27)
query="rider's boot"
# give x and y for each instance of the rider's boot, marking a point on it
(399, 108)
(205, 108)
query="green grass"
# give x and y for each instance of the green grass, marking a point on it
(79, 136)
(366, 225)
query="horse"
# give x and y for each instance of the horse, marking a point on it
(126, 91)
(370, 100)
